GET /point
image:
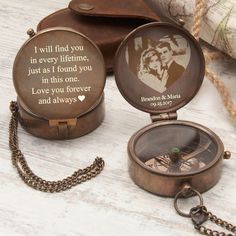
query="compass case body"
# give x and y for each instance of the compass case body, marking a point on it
(59, 76)
(159, 68)
(200, 166)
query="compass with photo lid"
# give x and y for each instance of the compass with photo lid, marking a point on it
(159, 68)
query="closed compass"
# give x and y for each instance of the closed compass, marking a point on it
(59, 76)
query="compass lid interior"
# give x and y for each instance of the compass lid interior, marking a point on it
(159, 68)
(59, 74)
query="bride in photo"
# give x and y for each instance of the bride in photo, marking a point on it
(150, 70)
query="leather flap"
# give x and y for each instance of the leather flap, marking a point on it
(114, 8)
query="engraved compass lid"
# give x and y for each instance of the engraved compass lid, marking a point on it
(59, 74)
(159, 67)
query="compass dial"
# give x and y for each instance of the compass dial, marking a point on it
(176, 149)
(164, 163)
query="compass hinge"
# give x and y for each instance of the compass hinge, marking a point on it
(63, 126)
(164, 116)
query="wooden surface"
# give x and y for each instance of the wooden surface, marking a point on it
(110, 204)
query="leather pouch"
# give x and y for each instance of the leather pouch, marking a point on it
(105, 22)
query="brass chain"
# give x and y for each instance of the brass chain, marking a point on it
(199, 212)
(34, 181)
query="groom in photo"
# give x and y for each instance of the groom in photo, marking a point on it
(174, 69)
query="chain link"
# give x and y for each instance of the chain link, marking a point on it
(206, 231)
(34, 181)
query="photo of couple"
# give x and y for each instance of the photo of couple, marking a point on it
(159, 64)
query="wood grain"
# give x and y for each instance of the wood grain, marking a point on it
(110, 204)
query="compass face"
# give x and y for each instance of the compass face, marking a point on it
(177, 149)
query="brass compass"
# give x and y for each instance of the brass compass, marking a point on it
(166, 155)
(159, 68)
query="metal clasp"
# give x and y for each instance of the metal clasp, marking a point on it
(185, 192)
(63, 126)
(198, 215)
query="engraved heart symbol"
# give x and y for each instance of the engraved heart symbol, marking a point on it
(81, 97)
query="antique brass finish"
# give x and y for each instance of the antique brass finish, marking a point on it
(34, 181)
(68, 122)
(59, 75)
(164, 116)
(186, 191)
(168, 183)
(43, 128)
(136, 79)
(53, 64)
(31, 32)
(227, 155)
(144, 71)
(199, 214)
(156, 72)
